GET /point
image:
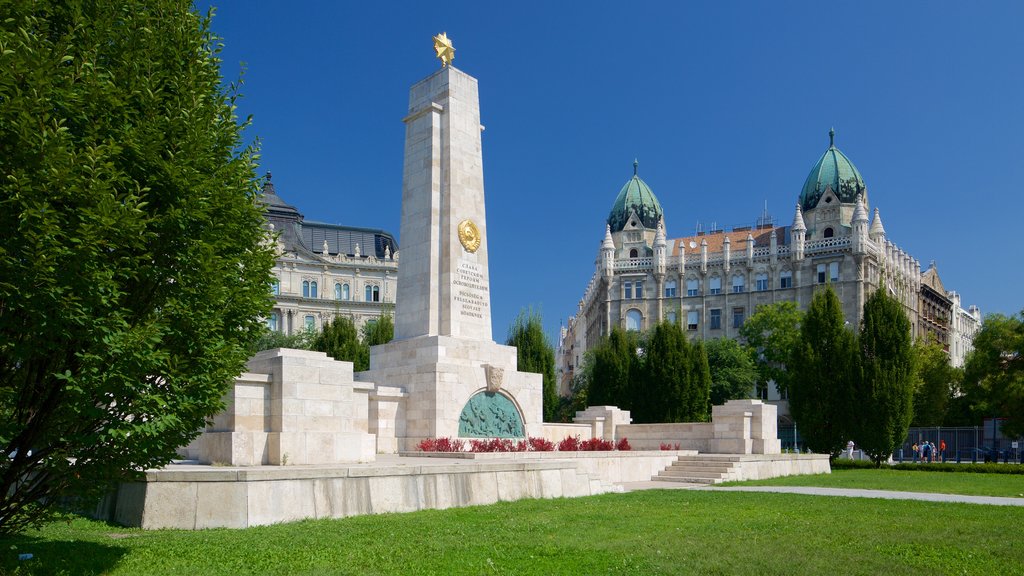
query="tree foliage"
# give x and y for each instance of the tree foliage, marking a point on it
(733, 370)
(823, 372)
(535, 354)
(994, 373)
(613, 365)
(379, 331)
(887, 377)
(271, 339)
(133, 265)
(937, 380)
(339, 339)
(661, 377)
(773, 332)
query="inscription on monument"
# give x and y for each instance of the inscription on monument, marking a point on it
(471, 292)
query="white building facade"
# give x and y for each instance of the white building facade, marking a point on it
(713, 281)
(326, 270)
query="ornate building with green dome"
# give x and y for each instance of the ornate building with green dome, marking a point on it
(713, 281)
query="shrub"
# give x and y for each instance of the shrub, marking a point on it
(665, 446)
(623, 445)
(497, 445)
(570, 444)
(843, 464)
(541, 445)
(597, 445)
(442, 445)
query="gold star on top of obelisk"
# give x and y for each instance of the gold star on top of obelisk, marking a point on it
(445, 50)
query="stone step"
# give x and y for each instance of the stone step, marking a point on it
(712, 467)
(687, 480)
(694, 471)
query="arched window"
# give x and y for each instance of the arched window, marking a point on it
(305, 288)
(372, 293)
(312, 289)
(346, 293)
(633, 319)
(275, 287)
(337, 291)
(272, 322)
(828, 233)
(310, 322)
(738, 283)
(633, 253)
(670, 289)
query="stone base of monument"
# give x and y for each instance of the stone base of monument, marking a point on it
(453, 387)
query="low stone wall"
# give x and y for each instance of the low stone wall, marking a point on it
(611, 467)
(689, 435)
(760, 467)
(197, 497)
(558, 432)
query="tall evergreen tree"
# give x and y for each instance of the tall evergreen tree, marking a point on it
(613, 362)
(823, 373)
(339, 339)
(658, 393)
(886, 387)
(698, 391)
(535, 354)
(134, 266)
(379, 331)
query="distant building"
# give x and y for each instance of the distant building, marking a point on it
(965, 326)
(713, 281)
(327, 270)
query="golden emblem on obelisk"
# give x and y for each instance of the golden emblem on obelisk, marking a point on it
(469, 235)
(445, 50)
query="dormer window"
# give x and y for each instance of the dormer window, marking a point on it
(828, 233)
(828, 200)
(633, 253)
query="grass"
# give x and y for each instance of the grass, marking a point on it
(906, 481)
(649, 532)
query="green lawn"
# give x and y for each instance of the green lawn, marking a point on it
(649, 532)
(1011, 485)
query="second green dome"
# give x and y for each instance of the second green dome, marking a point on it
(635, 197)
(832, 169)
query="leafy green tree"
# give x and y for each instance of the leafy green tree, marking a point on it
(733, 371)
(134, 266)
(535, 354)
(339, 339)
(613, 364)
(823, 373)
(888, 375)
(936, 382)
(994, 373)
(773, 332)
(271, 339)
(379, 331)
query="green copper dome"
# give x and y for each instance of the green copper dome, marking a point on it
(833, 169)
(636, 196)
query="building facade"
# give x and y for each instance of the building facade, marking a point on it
(326, 270)
(713, 281)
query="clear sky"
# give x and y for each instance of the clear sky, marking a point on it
(727, 105)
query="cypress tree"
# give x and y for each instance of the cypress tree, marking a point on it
(823, 373)
(535, 354)
(613, 363)
(339, 339)
(886, 387)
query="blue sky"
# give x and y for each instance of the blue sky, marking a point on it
(727, 105)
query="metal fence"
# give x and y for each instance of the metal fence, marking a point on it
(963, 444)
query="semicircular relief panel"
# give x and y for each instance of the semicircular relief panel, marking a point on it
(490, 415)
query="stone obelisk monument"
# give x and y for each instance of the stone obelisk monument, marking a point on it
(454, 380)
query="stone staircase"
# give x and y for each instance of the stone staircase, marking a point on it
(702, 469)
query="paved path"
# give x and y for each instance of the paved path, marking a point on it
(848, 492)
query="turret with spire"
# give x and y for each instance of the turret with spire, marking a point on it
(859, 221)
(798, 234)
(659, 249)
(607, 254)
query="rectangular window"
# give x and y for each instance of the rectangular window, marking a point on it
(821, 273)
(691, 288)
(833, 272)
(737, 317)
(310, 322)
(639, 290)
(715, 318)
(761, 282)
(715, 285)
(691, 320)
(627, 290)
(786, 280)
(275, 288)
(670, 289)
(671, 317)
